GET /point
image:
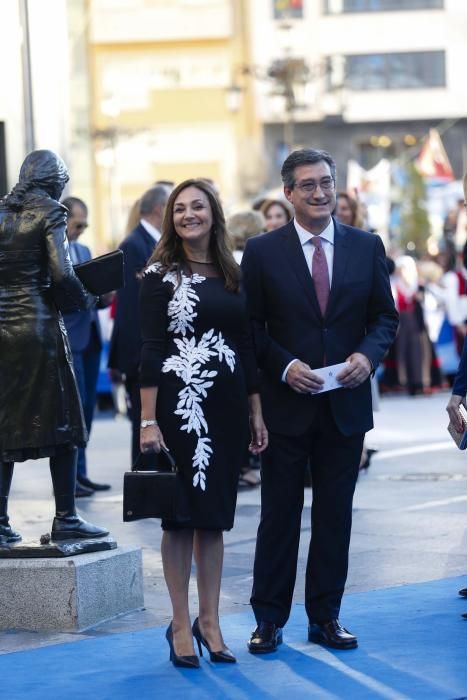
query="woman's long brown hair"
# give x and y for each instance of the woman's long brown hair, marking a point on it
(169, 251)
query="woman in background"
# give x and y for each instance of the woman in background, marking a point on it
(276, 213)
(348, 210)
(241, 226)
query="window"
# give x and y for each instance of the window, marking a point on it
(340, 6)
(395, 71)
(287, 9)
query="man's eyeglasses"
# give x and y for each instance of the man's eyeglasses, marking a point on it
(325, 185)
(81, 226)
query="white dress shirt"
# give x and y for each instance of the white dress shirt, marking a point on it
(327, 243)
(152, 230)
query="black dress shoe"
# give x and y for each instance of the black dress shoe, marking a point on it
(72, 527)
(266, 638)
(82, 491)
(88, 484)
(331, 634)
(216, 656)
(182, 661)
(463, 592)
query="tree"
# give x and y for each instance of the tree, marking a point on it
(415, 224)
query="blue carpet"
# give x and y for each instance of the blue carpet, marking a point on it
(413, 644)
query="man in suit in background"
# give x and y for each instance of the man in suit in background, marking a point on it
(85, 339)
(319, 294)
(125, 343)
(459, 389)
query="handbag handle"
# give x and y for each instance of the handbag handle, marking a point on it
(167, 455)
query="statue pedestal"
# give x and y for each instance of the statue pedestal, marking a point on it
(64, 593)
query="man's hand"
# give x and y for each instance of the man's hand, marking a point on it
(302, 379)
(358, 370)
(453, 411)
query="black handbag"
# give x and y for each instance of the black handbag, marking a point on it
(155, 494)
(102, 274)
(99, 276)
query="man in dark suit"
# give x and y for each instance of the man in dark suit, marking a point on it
(319, 294)
(84, 335)
(459, 389)
(125, 343)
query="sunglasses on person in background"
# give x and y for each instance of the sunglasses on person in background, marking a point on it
(325, 185)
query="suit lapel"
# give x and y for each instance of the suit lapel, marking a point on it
(342, 250)
(294, 253)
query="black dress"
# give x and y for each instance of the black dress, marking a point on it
(197, 350)
(40, 408)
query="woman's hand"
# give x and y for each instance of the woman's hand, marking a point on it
(151, 439)
(259, 434)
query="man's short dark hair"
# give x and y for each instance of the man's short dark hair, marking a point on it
(70, 202)
(305, 156)
(155, 197)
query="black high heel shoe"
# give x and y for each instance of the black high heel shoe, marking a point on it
(182, 661)
(216, 656)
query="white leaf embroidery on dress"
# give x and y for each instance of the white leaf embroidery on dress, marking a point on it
(189, 363)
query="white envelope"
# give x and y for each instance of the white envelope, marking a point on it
(329, 375)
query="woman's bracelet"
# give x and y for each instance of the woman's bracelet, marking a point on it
(146, 423)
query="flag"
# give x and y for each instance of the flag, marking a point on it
(432, 162)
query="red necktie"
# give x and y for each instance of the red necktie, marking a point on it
(320, 274)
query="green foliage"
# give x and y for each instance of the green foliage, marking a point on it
(415, 224)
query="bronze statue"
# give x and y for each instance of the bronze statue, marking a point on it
(40, 409)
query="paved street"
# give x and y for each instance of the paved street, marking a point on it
(409, 520)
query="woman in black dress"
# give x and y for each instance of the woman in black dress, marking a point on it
(40, 409)
(199, 378)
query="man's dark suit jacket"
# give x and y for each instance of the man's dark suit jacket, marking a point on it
(287, 322)
(125, 344)
(78, 323)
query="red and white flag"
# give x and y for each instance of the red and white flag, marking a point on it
(432, 161)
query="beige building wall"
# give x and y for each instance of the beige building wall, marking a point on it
(160, 72)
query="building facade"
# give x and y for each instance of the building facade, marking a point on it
(160, 111)
(134, 91)
(378, 75)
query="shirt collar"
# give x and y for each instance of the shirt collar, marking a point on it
(152, 230)
(305, 236)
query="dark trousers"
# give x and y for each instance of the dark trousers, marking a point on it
(334, 461)
(134, 414)
(86, 363)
